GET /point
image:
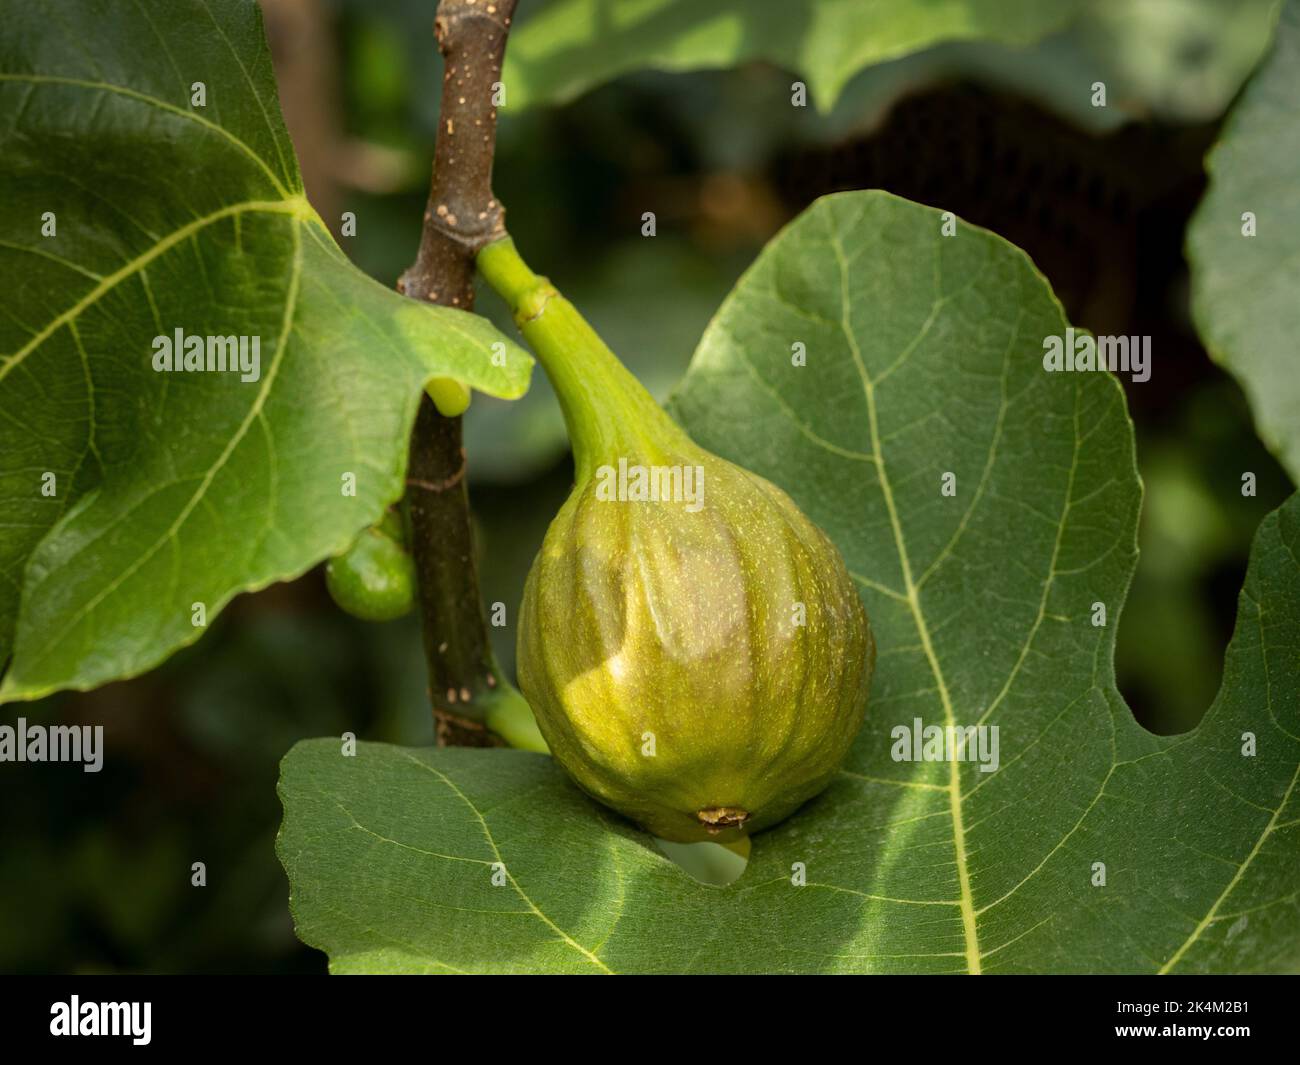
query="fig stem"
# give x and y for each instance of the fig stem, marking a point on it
(606, 410)
(511, 718)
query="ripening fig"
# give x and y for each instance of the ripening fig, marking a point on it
(693, 647)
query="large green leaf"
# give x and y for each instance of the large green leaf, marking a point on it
(924, 356)
(565, 47)
(1179, 61)
(173, 489)
(1244, 288)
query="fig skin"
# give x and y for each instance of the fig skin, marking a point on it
(642, 618)
(672, 626)
(374, 579)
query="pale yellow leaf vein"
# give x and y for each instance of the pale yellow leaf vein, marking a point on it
(1208, 919)
(967, 905)
(496, 853)
(153, 101)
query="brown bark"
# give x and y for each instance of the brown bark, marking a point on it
(461, 217)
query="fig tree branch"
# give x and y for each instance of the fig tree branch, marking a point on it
(461, 217)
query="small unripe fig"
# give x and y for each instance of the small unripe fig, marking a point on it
(693, 646)
(374, 579)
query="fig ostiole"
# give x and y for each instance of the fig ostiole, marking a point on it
(374, 579)
(693, 647)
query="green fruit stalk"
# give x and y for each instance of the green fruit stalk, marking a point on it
(699, 661)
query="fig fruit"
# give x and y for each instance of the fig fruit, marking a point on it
(693, 646)
(374, 579)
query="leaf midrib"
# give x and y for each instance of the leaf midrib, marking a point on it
(966, 902)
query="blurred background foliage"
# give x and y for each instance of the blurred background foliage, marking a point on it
(95, 870)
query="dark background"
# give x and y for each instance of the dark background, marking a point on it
(95, 869)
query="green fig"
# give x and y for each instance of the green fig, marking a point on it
(693, 646)
(374, 579)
